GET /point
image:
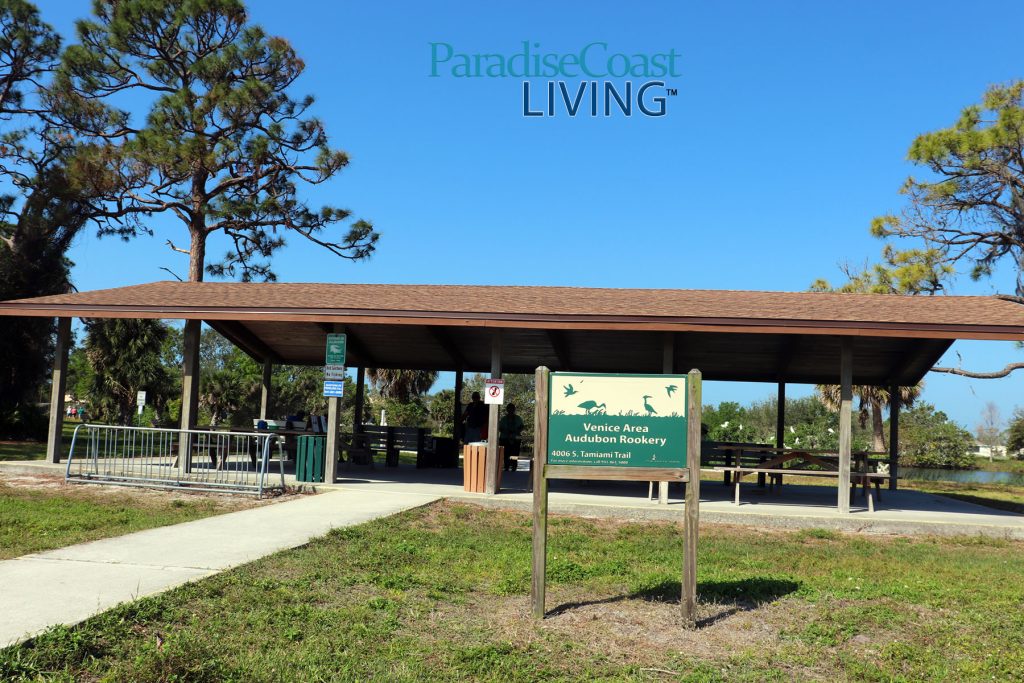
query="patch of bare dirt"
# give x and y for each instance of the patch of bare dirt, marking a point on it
(645, 634)
(54, 484)
(631, 630)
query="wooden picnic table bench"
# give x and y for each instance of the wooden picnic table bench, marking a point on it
(865, 479)
(390, 440)
(826, 463)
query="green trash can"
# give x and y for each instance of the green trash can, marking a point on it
(309, 458)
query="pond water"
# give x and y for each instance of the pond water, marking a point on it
(963, 476)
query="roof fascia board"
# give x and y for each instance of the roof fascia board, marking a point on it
(587, 322)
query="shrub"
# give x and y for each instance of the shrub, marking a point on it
(930, 439)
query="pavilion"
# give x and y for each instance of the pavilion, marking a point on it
(778, 337)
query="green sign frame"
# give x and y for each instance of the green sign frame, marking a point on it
(335, 349)
(617, 420)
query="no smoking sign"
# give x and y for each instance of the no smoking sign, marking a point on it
(494, 391)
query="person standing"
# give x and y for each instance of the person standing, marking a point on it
(510, 436)
(475, 417)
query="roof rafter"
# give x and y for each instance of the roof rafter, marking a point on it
(444, 340)
(239, 335)
(560, 347)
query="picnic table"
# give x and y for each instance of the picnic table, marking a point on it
(799, 461)
(219, 450)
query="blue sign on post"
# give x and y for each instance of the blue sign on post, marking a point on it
(334, 389)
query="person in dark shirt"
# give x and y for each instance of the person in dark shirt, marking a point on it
(510, 431)
(475, 418)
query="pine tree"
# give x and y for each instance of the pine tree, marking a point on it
(41, 210)
(224, 147)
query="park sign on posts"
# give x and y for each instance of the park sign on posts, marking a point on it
(620, 427)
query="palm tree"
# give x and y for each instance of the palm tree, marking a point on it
(872, 400)
(401, 385)
(125, 357)
(222, 393)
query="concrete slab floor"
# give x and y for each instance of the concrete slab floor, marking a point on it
(798, 506)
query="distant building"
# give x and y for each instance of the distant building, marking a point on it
(990, 452)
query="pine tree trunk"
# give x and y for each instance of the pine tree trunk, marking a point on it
(197, 256)
(197, 228)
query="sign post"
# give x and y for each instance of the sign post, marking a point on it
(617, 427)
(538, 585)
(334, 387)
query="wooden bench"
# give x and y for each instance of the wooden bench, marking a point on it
(392, 440)
(865, 479)
(724, 455)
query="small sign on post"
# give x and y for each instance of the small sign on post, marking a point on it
(334, 372)
(140, 400)
(494, 391)
(334, 389)
(336, 343)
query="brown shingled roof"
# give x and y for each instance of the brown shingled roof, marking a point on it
(730, 335)
(971, 316)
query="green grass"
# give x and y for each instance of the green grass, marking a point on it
(34, 519)
(998, 496)
(34, 450)
(1008, 465)
(441, 593)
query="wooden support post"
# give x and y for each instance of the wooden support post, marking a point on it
(457, 408)
(668, 351)
(780, 417)
(492, 464)
(540, 493)
(691, 522)
(845, 419)
(357, 408)
(189, 389)
(331, 450)
(894, 435)
(268, 369)
(58, 385)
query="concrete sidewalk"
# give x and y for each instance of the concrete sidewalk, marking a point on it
(67, 585)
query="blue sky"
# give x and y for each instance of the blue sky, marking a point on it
(788, 135)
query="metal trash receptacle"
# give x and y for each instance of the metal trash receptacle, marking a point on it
(474, 467)
(446, 454)
(309, 458)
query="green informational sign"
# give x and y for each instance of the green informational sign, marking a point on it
(335, 349)
(617, 420)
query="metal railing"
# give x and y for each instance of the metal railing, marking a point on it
(194, 459)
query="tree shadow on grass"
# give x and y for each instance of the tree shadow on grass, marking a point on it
(741, 595)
